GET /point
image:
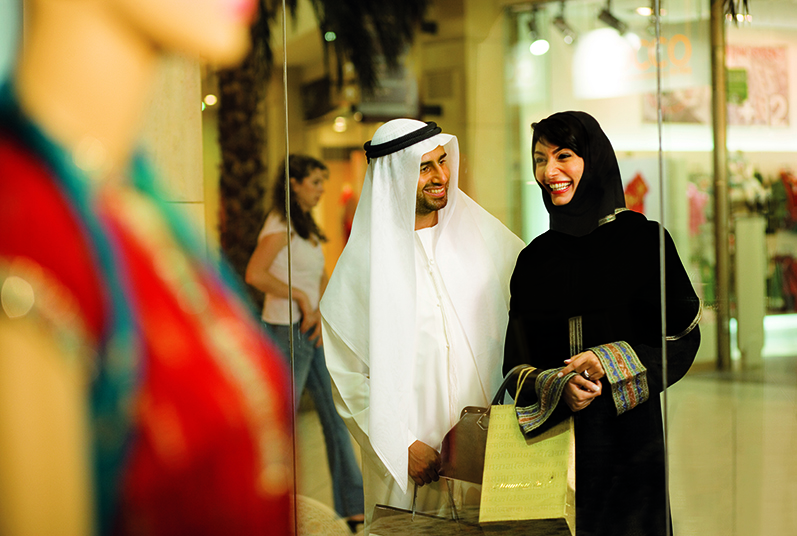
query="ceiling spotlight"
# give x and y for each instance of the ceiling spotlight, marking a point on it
(610, 20)
(648, 11)
(568, 34)
(340, 124)
(737, 11)
(539, 46)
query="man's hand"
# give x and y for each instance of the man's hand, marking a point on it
(424, 463)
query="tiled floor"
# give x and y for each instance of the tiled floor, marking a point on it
(733, 452)
(732, 444)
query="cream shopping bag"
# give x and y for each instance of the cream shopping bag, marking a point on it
(528, 478)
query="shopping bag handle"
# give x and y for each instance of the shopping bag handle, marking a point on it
(510, 376)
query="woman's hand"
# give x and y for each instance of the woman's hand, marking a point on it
(585, 386)
(311, 318)
(303, 302)
(587, 364)
(579, 393)
(312, 322)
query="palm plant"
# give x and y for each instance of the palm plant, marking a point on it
(366, 30)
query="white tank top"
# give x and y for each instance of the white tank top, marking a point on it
(307, 265)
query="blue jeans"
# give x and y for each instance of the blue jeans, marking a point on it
(310, 370)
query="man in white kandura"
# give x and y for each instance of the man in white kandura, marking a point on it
(415, 313)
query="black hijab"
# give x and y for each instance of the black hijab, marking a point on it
(600, 191)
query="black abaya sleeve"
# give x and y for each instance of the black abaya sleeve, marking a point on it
(683, 314)
(680, 356)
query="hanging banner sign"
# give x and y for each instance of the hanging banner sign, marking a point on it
(758, 86)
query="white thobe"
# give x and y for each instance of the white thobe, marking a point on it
(445, 379)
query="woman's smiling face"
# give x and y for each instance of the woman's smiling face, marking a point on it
(558, 170)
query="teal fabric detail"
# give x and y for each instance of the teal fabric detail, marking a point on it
(625, 373)
(549, 387)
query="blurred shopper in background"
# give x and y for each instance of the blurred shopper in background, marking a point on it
(268, 271)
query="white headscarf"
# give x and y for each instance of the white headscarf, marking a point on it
(370, 299)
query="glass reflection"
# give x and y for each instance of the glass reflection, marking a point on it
(717, 421)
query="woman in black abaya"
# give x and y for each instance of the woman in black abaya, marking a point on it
(586, 297)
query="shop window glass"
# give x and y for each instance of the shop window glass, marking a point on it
(725, 430)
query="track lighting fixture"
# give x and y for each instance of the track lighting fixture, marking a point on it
(610, 20)
(539, 45)
(568, 34)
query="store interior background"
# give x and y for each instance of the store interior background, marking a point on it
(732, 434)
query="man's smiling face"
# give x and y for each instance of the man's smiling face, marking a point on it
(432, 192)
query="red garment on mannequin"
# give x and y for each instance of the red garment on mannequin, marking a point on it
(203, 458)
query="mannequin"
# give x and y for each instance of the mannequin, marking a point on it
(71, 120)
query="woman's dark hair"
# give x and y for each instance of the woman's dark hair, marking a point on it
(299, 168)
(558, 131)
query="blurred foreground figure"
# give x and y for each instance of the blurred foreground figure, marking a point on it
(415, 313)
(137, 394)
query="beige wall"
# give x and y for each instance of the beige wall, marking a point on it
(172, 136)
(486, 122)
(211, 171)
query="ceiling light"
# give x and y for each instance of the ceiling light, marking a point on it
(568, 34)
(539, 45)
(648, 11)
(737, 11)
(634, 40)
(610, 20)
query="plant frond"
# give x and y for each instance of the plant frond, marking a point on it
(369, 32)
